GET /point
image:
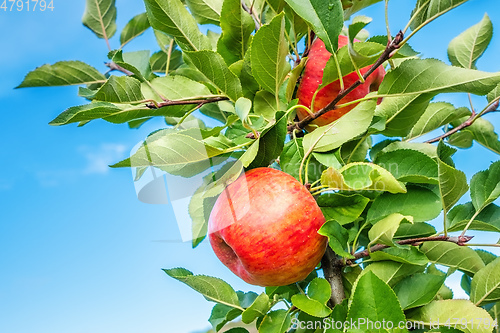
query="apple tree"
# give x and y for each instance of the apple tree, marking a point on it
(297, 86)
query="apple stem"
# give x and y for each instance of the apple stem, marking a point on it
(386, 55)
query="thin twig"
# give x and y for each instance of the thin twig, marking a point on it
(473, 117)
(252, 14)
(115, 67)
(200, 102)
(460, 240)
(386, 55)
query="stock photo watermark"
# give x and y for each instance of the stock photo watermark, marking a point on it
(26, 5)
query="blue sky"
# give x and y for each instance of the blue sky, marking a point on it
(79, 252)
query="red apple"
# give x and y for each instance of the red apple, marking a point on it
(264, 228)
(313, 75)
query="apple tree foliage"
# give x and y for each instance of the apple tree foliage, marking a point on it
(236, 64)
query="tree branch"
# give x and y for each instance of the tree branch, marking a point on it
(332, 270)
(115, 67)
(386, 55)
(252, 14)
(473, 117)
(460, 240)
(200, 102)
(332, 265)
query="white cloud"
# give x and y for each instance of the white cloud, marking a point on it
(99, 159)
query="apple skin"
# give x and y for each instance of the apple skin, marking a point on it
(275, 240)
(313, 75)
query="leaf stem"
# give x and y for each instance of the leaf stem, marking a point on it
(169, 56)
(470, 222)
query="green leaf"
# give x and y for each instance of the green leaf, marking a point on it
(221, 315)
(351, 7)
(242, 107)
(485, 285)
(120, 89)
(410, 255)
(270, 142)
(373, 300)
(204, 198)
(63, 73)
(409, 165)
(417, 290)
(358, 23)
(135, 27)
(268, 55)
(213, 289)
(199, 210)
(420, 203)
(452, 255)
(173, 88)
(452, 185)
(277, 321)
(422, 79)
(458, 313)
(237, 26)
(215, 69)
(485, 186)
(338, 238)
(414, 230)
(420, 76)
(117, 114)
(482, 131)
(392, 272)
(402, 113)
(487, 220)
(328, 159)
(466, 48)
(172, 18)
(349, 126)
(436, 115)
(427, 10)
(361, 176)
(325, 19)
(291, 157)
(383, 231)
(100, 17)
(486, 256)
(205, 11)
(265, 105)
(314, 303)
(175, 152)
(341, 207)
(258, 309)
(136, 62)
(159, 61)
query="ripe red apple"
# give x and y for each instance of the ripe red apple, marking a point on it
(313, 75)
(264, 226)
